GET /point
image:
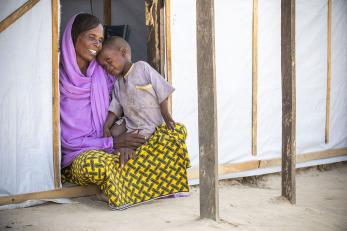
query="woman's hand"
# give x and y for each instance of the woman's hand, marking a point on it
(107, 132)
(110, 119)
(128, 140)
(125, 154)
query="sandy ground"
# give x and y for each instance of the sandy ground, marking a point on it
(252, 204)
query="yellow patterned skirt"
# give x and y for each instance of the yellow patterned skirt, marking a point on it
(158, 170)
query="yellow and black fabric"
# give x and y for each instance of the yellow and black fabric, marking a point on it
(158, 170)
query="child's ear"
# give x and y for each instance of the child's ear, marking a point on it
(123, 51)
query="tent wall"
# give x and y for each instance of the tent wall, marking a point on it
(233, 31)
(26, 151)
(130, 12)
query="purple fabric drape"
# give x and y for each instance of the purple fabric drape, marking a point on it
(84, 101)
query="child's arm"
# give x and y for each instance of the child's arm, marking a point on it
(164, 109)
(111, 118)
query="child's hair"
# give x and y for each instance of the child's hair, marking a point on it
(116, 42)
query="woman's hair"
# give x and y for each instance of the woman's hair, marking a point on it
(83, 22)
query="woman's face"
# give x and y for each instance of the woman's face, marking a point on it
(89, 43)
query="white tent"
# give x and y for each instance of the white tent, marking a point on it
(26, 119)
(29, 137)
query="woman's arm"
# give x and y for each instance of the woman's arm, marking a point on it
(110, 119)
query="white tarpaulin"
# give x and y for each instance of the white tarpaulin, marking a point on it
(233, 42)
(26, 138)
(26, 152)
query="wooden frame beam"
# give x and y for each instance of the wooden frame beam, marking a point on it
(327, 118)
(107, 12)
(55, 88)
(288, 99)
(9, 20)
(224, 169)
(70, 192)
(207, 110)
(168, 47)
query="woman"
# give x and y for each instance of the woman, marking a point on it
(85, 88)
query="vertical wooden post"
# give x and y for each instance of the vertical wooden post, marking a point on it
(55, 89)
(327, 118)
(288, 99)
(107, 12)
(207, 109)
(168, 46)
(254, 76)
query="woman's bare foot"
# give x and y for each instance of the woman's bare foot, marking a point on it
(101, 196)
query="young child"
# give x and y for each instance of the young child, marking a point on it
(140, 92)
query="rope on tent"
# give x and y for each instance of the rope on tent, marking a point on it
(254, 76)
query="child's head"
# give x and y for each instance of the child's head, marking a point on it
(114, 56)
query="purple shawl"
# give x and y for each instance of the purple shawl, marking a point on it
(84, 101)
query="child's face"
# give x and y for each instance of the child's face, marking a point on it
(112, 60)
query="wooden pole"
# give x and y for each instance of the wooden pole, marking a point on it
(55, 88)
(207, 109)
(288, 99)
(107, 12)
(168, 46)
(254, 76)
(327, 118)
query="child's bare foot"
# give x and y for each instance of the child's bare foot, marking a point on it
(101, 196)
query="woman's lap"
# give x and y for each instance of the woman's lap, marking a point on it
(158, 170)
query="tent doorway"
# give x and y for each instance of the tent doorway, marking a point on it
(148, 31)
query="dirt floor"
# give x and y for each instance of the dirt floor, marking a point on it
(248, 204)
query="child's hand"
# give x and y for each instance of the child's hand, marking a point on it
(107, 132)
(125, 154)
(164, 110)
(170, 124)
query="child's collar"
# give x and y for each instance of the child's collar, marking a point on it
(126, 74)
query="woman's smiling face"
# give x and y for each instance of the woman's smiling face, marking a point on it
(89, 43)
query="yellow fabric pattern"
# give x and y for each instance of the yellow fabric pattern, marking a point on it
(158, 170)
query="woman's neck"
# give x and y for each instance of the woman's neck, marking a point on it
(83, 65)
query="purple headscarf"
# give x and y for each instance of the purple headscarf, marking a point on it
(84, 101)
